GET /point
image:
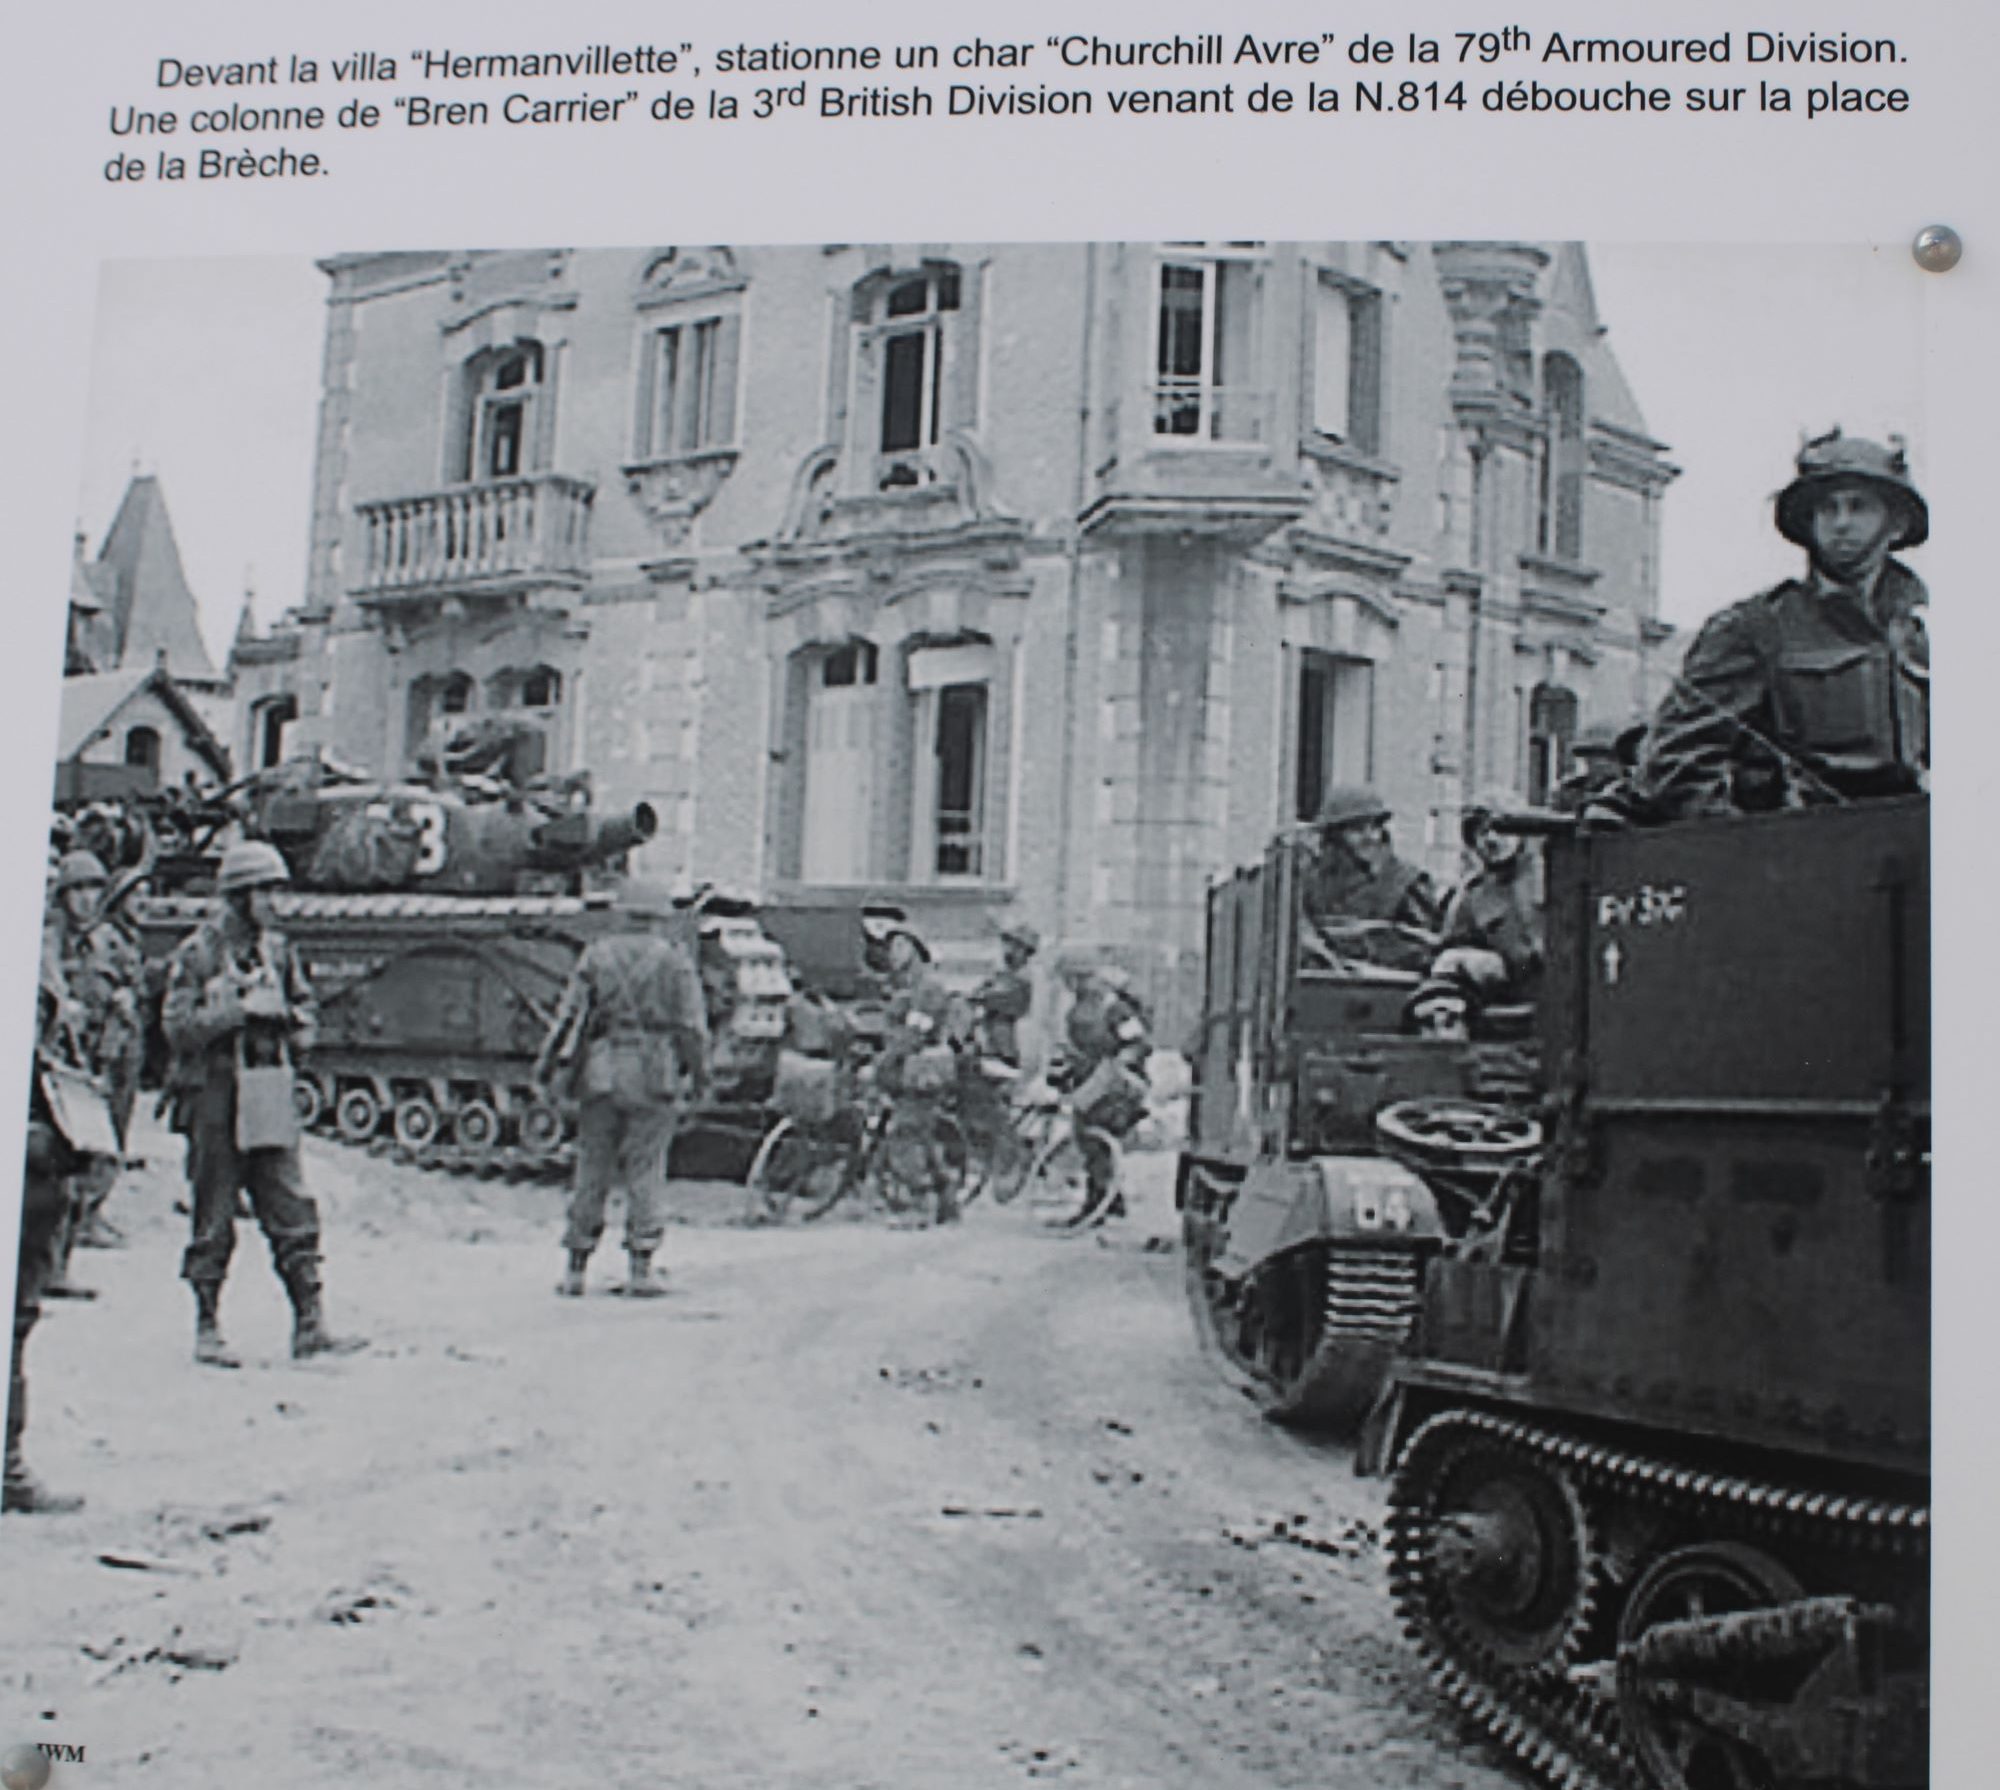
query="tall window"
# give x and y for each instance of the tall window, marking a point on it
(912, 339)
(1551, 728)
(505, 392)
(949, 692)
(1560, 532)
(1203, 349)
(274, 717)
(688, 399)
(1336, 718)
(1345, 379)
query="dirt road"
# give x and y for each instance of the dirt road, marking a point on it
(854, 1508)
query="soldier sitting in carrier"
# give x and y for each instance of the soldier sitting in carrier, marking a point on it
(1488, 975)
(1364, 907)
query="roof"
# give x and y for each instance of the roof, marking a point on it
(92, 702)
(139, 578)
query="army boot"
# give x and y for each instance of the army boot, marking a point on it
(571, 1284)
(209, 1348)
(640, 1280)
(310, 1336)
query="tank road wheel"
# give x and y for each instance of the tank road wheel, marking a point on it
(476, 1127)
(1663, 1707)
(1492, 1562)
(308, 1100)
(416, 1122)
(358, 1114)
(541, 1128)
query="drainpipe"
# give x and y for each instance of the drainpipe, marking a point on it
(1474, 631)
(1066, 808)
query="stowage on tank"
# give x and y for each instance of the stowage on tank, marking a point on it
(439, 923)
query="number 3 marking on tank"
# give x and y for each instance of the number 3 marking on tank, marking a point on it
(430, 837)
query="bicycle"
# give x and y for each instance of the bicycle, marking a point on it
(810, 1164)
(1042, 1155)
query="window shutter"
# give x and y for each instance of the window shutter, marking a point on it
(720, 427)
(1364, 392)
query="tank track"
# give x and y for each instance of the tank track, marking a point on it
(1565, 1727)
(506, 1162)
(1367, 1301)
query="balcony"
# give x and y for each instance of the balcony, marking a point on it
(1197, 460)
(502, 538)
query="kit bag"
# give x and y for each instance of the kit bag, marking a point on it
(267, 1113)
(631, 1070)
(1112, 1098)
(78, 1109)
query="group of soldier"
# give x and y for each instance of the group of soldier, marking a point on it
(1815, 691)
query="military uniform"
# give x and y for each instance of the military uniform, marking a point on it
(633, 1026)
(1840, 686)
(1497, 912)
(1398, 894)
(916, 1017)
(1002, 1001)
(207, 1039)
(1105, 1022)
(1817, 690)
(104, 973)
(44, 1205)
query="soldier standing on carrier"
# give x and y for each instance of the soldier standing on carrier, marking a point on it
(102, 969)
(630, 1044)
(1817, 690)
(237, 1003)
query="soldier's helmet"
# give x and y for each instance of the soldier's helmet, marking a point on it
(80, 870)
(251, 864)
(1022, 936)
(1351, 804)
(1834, 456)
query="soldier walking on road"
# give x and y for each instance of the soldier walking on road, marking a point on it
(238, 1013)
(630, 1045)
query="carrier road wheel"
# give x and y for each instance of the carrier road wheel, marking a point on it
(358, 1115)
(477, 1127)
(1678, 1715)
(1492, 1561)
(308, 1100)
(416, 1122)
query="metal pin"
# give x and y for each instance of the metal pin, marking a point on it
(1937, 248)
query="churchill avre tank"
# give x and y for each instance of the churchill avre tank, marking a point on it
(439, 922)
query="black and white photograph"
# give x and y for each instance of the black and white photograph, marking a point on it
(1109, 1013)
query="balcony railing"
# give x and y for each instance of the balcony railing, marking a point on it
(1187, 413)
(492, 538)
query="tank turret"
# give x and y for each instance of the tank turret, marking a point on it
(379, 838)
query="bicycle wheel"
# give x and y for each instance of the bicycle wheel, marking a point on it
(1007, 1172)
(793, 1168)
(1058, 1181)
